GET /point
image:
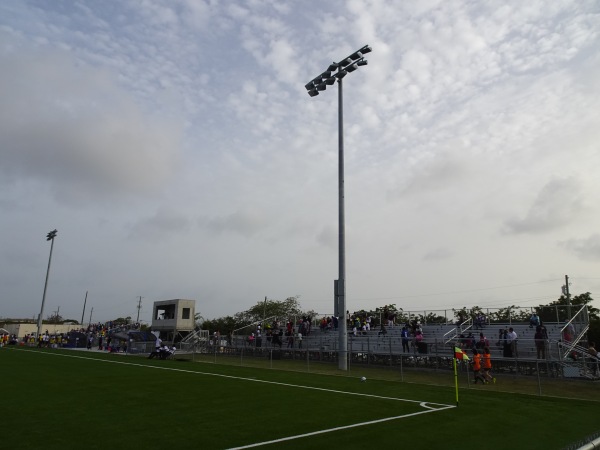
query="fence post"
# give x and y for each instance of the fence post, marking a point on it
(537, 369)
(401, 367)
(307, 359)
(467, 371)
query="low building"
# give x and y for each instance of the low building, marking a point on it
(173, 319)
(23, 329)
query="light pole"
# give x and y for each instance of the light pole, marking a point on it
(320, 83)
(49, 237)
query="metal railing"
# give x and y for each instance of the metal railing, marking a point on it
(574, 330)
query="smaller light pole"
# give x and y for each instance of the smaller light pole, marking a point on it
(84, 302)
(49, 237)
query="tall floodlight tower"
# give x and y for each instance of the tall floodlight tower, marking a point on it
(49, 237)
(317, 84)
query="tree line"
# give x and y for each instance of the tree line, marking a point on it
(290, 309)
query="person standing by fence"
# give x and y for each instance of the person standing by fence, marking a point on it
(512, 342)
(540, 342)
(405, 342)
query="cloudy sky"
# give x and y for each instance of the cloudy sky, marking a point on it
(173, 146)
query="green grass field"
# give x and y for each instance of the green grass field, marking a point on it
(61, 399)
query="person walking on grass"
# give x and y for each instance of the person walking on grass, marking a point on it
(477, 367)
(487, 365)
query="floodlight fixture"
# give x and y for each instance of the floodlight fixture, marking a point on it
(351, 67)
(341, 74)
(329, 81)
(362, 62)
(309, 86)
(356, 55)
(332, 66)
(321, 86)
(366, 49)
(326, 74)
(313, 92)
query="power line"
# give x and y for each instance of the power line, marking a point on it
(459, 292)
(401, 297)
(501, 303)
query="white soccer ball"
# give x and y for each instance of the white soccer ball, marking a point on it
(363, 379)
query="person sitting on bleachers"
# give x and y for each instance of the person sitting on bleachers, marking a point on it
(482, 343)
(534, 320)
(479, 321)
(382, 330)
(470, 341)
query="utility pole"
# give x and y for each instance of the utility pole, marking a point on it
(84, 302)
(139, 306)
(568, 297)
(91, 312)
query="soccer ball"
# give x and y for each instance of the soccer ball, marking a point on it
(363, 379)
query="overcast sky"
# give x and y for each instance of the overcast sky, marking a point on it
(173, 146)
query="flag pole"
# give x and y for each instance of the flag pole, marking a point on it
(458, 353)
(455, 380)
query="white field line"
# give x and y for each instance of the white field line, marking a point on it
(345, 427)
(429, 406)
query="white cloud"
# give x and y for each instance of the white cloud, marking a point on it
(328, 237)
(555, 206)
(587, 249)
(73, 129)
(438, 254)
(166, 221)
(470, 117)
(246, 222)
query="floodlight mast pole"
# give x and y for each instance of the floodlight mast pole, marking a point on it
(320, 83)
(49, 237)
(341, 287)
